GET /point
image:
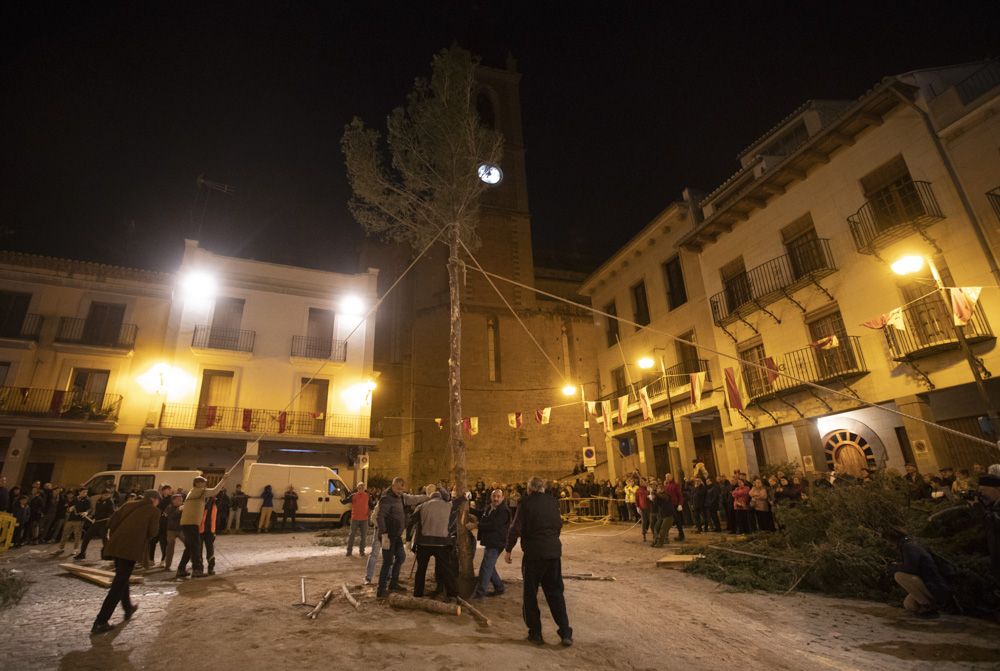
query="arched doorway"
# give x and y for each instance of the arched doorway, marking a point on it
(847, 452)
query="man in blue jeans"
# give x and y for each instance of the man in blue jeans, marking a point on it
(391, 523)
(492, 535)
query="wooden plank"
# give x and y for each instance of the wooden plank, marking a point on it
(91, 577)
(101, 573)
(672, 560)
(482, 619)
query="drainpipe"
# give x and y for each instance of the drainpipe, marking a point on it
(966, 204)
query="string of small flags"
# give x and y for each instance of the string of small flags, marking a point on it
(963, 303)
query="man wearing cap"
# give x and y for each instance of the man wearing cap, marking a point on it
(132, 527)
(191, 515)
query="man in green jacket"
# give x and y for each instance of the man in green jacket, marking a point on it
(132, 527)
(191, 514)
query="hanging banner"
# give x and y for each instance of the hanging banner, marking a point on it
(772, 369)
(592, 408)
(647, 407)
(895, 319)
(733, 390)
(542, 416)
(829, 342)
(697, 386)
(877, 323)
(963, 302)
(623, 410)
(440, 422)
(515, 419)
(606, 410)
(471, 425)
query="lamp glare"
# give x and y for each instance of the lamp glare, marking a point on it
(646, 362)
(907, 265)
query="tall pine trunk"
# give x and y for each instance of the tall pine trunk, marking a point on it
(456, 279)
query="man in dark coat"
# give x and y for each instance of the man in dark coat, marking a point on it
(926, 590)
(537, 525)
(712, 495)
(492, 533)
(132, 527)
(103, 510)
(391, 523)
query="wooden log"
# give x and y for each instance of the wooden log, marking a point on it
(482, 619)
(100, 573)
(350, 599)
(585, 576)
(312, 615)
(92, 577)
(420, 603)
(676, 561)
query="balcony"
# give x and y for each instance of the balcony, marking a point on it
(805, 262)
(305, 347)
(808, 364)
(59, 404)
(261, 421)
(27, 328)
(994, 197)
(929, 330)
(656, 385)
(233, 340)
(73, 331)
(893, 214)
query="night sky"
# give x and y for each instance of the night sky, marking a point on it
(111, 112)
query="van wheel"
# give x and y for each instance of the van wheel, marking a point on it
(345, 519)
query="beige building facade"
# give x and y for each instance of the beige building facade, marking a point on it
(787, 260)
(107, 367)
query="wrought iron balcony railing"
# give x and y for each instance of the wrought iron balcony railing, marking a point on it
(96, 334)
(892, 214)
(929, 330)
(259, 420)
(805, 262)
(656, 385)
(212, 337)
(70, 404)
(319, 348)
(994, 197)
(808, 364)
(28, 328)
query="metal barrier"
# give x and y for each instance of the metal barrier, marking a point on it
(7, 525)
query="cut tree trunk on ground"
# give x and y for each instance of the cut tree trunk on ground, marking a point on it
(81, 571)
(676, 561)
(420, 603)
(350, 599)
(314, 613)
(482, 619)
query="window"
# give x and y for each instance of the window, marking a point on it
(736, 284)
(687, 354)
(104, 324)
(619, 380)
(89, 384)
(493, 349)
(13, 310)
(640, 306)
(485, 111)
(4, 372)
(928, 319)
(135, 483)
(802, 246)
(836, 360)
(226, 320)
(611, 330)
(334, 488)
(100, 483)
(673, 277)
(892, 194)
(313, 401)
(754, 376)
(319, 332)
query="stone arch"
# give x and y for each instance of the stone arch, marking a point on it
(852, 446)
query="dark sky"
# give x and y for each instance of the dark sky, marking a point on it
(110, 112)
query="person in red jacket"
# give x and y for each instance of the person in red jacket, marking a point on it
(359, 518)
(741, 506)
(673, 491)
(642, 500)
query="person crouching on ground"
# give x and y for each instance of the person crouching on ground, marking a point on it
(926, 590)
(191, 517)
(435, 539)
(132, 527)
(537, 525)
(492, 534)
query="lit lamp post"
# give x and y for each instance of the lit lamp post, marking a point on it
(908, 265)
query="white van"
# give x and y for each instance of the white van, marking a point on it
(320, 490)
(127, 481)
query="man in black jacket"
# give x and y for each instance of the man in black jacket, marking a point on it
(391, 523)
(103, 510)
(538, 524)
(492, 526)
(926, 590)
(712, 495)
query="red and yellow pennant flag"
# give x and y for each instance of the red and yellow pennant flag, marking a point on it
(440, 422)
(772, 369)
(644, 403)
(963, 302)
(606, 411)
(515, 419)
(471, 425)
(733, 390)
(623, 410)
(542, 416)
(697, 386)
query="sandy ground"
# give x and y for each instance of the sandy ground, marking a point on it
(649, 618)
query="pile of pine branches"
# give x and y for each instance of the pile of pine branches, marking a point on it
(834, 544)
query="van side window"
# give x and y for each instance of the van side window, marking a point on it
(99, 484)
(131, 483)
(334, 488)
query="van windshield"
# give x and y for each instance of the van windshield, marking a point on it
(99, 483)
(335, 488)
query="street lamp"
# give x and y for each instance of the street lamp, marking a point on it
(647, 362)
(910, 264)
(569, 390)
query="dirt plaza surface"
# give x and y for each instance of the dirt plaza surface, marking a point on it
(248, 617)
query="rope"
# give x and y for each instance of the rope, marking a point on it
(744, 362)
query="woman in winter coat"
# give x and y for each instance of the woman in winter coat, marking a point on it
(761, 503)
(289, 506)
(266, 508)
(741, 506)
